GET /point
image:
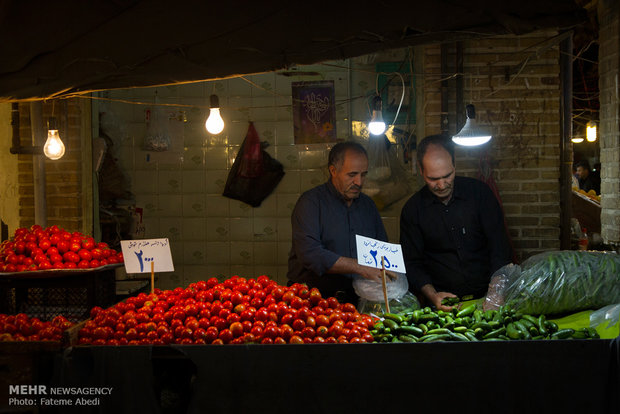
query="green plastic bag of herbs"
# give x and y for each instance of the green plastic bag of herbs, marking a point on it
(564, 281)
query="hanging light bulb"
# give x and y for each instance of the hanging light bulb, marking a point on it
(54, 148)
(471, 134)
(376, 125)
(591, 131)
(215, 123)
(577, 140)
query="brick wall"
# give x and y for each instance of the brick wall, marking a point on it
(516, 92)
(63, 177)
(609, 71)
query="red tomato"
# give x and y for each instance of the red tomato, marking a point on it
(83, 264)
(225, 335)
(85, 254)
(295, 339)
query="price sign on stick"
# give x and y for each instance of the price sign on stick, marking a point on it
(370, 252)
(139, 255)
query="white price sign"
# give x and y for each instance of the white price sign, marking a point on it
(370, 252)
(139, 254)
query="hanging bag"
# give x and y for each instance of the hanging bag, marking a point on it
(254, 174)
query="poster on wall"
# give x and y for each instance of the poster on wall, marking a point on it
(314, 112)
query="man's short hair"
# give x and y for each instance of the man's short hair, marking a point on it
(583, 164)
(336, 155)
(441, 140)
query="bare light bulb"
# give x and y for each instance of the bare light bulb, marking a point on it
(54, 148)
(215, 123)
(577, 140)
(376, 126)
(591, 131)
(471, 134)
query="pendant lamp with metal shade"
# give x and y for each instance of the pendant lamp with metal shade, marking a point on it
(471, 134)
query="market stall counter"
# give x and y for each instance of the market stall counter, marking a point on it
(497, 377)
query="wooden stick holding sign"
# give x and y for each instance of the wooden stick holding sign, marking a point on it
(385, 295)
(139, 254)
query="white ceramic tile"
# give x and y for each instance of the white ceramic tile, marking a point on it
(281, 278)
(265, 229)
(197, 115)
(284, 111)
(215, 181)
(218, 229)
(236, 131)
(283, 85)
(151, 227)
(240, 209)
(238, 109)
(168, 281)
(267, 132)
(312, 178)
(194, 229)
(288, 155)
(241, 229)
(262, 109)
(218, 253)
(246, 271)
(149, 203)
(172, 229)
(290, 183)
(170, 205)
(194, 273)
(286, 204)
(194, 158)
(194, 205)
(217, 158)
(220, 271)
(194, 252)
(284, 133)
(284, 229)
(195, 134)
(219, 139)
(193, 181)
(169, 182)
(241, 253)
(189, 90)
(139, 160)
(283, 251)
(238, 87)
(267, 207)
(144, 182)
(265, 253)
(217, 206)
(312, 159)
(264, 84)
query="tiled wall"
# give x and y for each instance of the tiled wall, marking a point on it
(180, 191)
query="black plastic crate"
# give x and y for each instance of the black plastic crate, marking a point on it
(44, 295)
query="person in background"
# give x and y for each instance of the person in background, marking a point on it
(325, 221)
(587, 180)
(452, 230)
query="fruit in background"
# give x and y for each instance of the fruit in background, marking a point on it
(21, 327)
(213, 312)
(36, 248)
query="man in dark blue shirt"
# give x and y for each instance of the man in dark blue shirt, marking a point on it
(325, 221)
(452, 230)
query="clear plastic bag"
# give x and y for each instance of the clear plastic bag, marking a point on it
(565, 281)
(373, 291)
(607, 316)
(406, 303)
(157, 136)
(497, 285)
(387, 180)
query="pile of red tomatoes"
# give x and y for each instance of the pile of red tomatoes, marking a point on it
(235, 311)
(36, 248)
(21, 327)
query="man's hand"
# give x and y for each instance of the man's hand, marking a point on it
(436, 297)
(349, 265)
(374, 274)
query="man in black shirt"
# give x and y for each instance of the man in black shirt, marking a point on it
(452, 230)
(587, 180)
